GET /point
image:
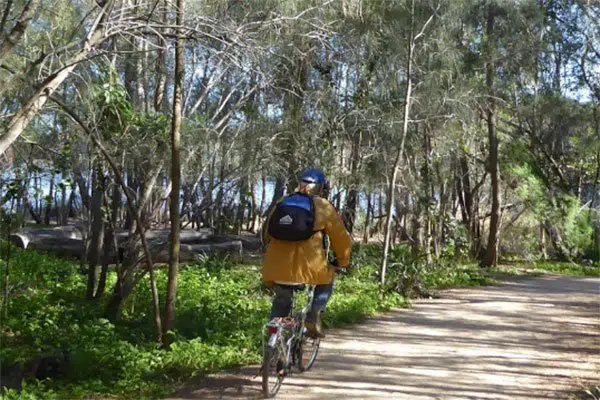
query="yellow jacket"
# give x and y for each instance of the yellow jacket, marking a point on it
(306, 261)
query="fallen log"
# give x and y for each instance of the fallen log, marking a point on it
(26, 236)
(159, 236)
(250, 243)
(192, 252)
(68, 241)
(64, 247)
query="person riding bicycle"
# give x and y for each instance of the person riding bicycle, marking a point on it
(294, 235)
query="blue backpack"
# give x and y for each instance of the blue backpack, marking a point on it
(293, 218)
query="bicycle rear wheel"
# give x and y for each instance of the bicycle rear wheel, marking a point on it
(308, 350)
(272, 371)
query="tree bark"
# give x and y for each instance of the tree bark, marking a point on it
(175, 178)
(161, 60)
(349, 214)
(97, 231)
(366, 232)
(491, 254)
(49, 199)
(109, 246)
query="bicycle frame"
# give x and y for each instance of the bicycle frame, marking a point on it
(285, 334)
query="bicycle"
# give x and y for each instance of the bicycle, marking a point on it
(288, 345)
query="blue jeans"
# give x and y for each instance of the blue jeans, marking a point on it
(282, 303)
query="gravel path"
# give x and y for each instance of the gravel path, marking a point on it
(535, 338)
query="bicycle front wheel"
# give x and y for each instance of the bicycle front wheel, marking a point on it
(308, 350)
(273, 371)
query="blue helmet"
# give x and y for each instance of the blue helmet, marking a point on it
(313, 175)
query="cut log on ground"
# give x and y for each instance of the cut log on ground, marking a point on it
(192, 252)
(162, 236)
(250, 243)
(67, 241)
(25, 236)
(64, 247)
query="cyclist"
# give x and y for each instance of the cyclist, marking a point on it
(296, 230)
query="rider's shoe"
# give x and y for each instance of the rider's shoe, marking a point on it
(314, 329)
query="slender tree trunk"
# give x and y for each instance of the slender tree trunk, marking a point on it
(396, 168)
(426, 185)
(110, 249)
(175, 178)
(368, 218)
(49, 200)
(277, 193)
(241, 209)
(255, 212)
(349, 214)
(64, 210)
(543, 242)
(97, 231)
(221, 217)
(161, 60)
(491, 255)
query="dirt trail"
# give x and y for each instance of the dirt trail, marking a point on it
(536, 338)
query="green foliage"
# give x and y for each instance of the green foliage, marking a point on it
(408, 273)
(562, 211)
(578, 231)
(220, 310)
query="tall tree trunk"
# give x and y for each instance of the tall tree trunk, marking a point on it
(426, 187)
(110, 249)
(175, 178)
(161, 61)
(391, 191)
(295, 105)
(349, 214)
(491, 253)
(97, 231)
(64, 210)
(49, 200)
(241, 210)
(263, 195)
(220, 206)
(366, 233)
(543, 242)
(277, 193)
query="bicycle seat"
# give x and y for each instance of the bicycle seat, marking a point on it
(295, 288)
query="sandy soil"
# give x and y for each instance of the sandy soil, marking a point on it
(535, 338)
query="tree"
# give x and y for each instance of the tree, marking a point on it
(175, 177)
(411, 42)
(491, 253)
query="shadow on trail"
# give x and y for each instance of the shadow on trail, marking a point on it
(527, 339)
